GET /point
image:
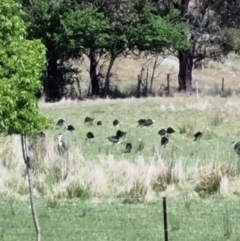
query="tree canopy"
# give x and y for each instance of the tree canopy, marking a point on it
(100, 28)
(22, 63)
(192, 30)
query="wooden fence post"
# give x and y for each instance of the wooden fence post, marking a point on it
(196, 88)
(168, 85)
(138, 85)
(222, 85)
(146, 84)
(165, 219)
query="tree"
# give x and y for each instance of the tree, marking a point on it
(136, 25)
(86, 29)
(229, 21)
(117, 14)
(228, 10)
(107, 27)
(206, 37)
(21, 65)
(68, 29)
(43, 20)
(156, 35)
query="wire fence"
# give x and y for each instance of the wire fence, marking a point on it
(168, 86)
(107, 220)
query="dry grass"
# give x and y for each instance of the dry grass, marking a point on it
(127, 70)
(98, 169)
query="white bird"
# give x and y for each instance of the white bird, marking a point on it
(62, 147)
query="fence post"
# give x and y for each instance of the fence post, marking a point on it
(138, 85)
(222, 85)
(165, 219)
(146, 84)
(168, 86)
(196, 88)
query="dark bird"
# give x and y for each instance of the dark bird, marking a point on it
(120, 134)
(70, 128)
(166, 133)
(164, 141)
(236, 146)
(141, 122)
(62, 147)
(89, 136)
(99, 123)
(148, 122)
(128, 147)
(162, 132)
(114, 139)
(116, 123)
(88, 120)
(170, 130)
(60, 122)
(197, 135)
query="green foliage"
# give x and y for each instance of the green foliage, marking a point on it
(21, 66)
(85, 28)
(154, 33)
(65, 27)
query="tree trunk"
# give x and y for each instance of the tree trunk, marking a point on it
(79, 89)
(93, 72)
(185, 70)
(53, 83)
(107, 79)
(153, 73)
(26, 159)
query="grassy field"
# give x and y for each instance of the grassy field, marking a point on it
(206, 219)
(97, 191)
(98, 168)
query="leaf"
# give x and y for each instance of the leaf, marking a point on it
(22, 63)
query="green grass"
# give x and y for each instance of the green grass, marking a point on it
(99, 169)
(99, 192)
(215, 124)
(211, 219)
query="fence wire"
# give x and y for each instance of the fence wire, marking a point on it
(108, 220)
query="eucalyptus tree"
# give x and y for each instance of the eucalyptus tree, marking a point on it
(136, 25)
(97, 28)
(68, 29)
(207, 38)
(229, 21)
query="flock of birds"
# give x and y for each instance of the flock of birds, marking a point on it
(117, 138)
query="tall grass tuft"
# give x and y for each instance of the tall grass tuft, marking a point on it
(210, 178)
(186, 128)
(217, 120)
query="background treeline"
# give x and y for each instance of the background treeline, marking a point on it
(192, 30)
